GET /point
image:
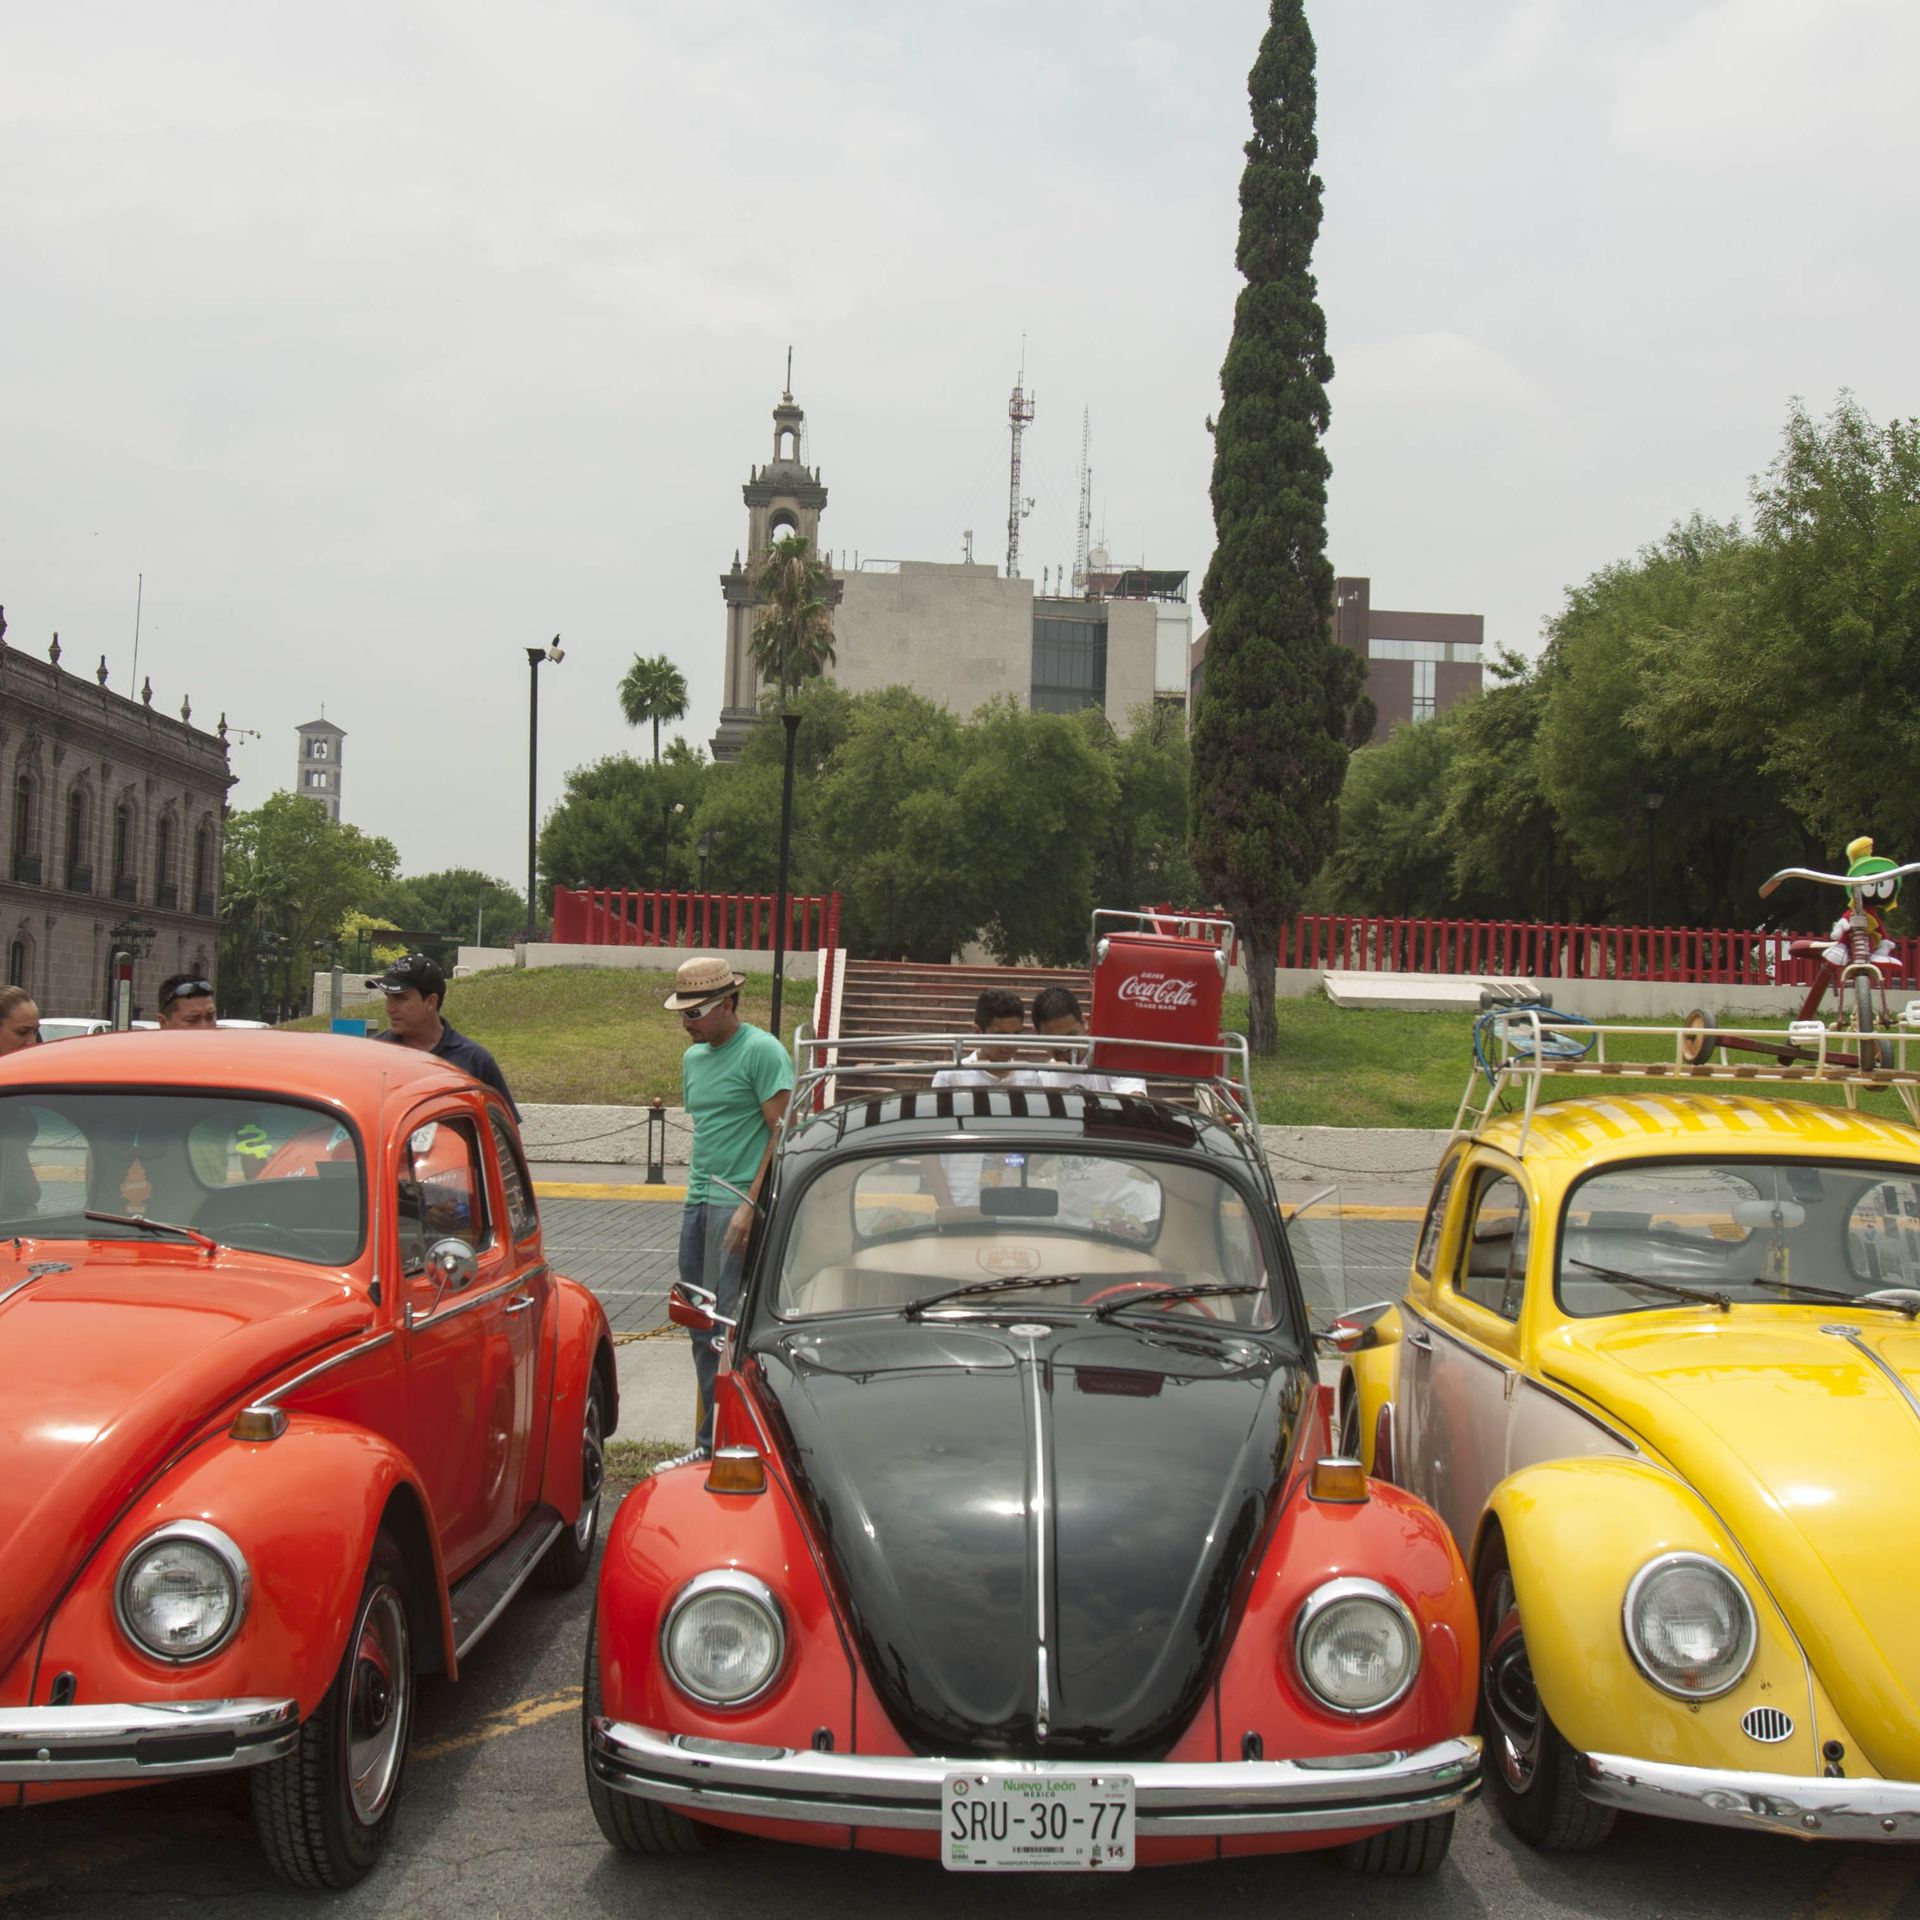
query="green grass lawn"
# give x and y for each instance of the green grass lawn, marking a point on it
(599, 1036)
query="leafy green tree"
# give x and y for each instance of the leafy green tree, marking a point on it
(653, 688)
(458, 900)
(793, 637)
(1393, 855)
(1140, 843)
(291, 870)
(613, 821)
(1270, 737)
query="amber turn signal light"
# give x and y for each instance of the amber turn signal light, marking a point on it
(1337, 1479)
(737, 1470)
(258, 1423)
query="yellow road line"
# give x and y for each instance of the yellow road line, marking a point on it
(514, 1719)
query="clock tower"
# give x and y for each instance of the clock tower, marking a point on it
(782, 498)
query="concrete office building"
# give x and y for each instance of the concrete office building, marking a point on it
(960, 634)
(1418, 664)
(108, 812)
(316, 772)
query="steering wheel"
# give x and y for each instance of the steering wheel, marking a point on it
(1147, 1286)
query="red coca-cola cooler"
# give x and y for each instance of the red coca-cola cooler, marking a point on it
(1157, 985)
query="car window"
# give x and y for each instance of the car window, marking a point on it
(522, 1216)
(1429, 1246)
(268, 1176)
(1492, 1265)
(442, 1194)
(1739, 1230)
(1089, 1229)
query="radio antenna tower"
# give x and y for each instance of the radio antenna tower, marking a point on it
(1083, 533)
(1020, 414)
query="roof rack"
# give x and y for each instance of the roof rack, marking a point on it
(1522, 1046)
(842, 1072)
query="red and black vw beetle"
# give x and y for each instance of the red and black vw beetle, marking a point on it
(1018, 1548)
(294, 1405)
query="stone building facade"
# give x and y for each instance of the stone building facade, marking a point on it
(107, 810)
(316, 772)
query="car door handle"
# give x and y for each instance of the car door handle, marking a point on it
(521, 1302)
(1419, 1341)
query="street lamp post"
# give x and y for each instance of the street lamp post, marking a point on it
(668, 814)
(791, 721)
(553, 652)
(132, 940)
(1655, 801)
(705, 844)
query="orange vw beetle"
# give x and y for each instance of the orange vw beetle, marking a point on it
(294, 1405)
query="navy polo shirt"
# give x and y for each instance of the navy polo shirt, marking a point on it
(469, 1056)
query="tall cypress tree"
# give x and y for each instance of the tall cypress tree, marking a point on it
(1270, 737)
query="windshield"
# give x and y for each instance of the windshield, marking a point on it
(1076, 1233)
(1747, 1230)
(262, 1175)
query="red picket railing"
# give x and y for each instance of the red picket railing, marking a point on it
(1375, 943)
(647, 917)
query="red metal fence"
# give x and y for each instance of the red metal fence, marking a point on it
(631, 917)
(1373, 943)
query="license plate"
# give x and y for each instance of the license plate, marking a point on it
(1037, 1823)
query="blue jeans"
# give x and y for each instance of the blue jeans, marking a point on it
(703, 1263)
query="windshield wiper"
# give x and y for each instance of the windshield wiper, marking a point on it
(1833, 1294)
(1698, 1295)
(1201, 1290)
(975, 1288)
(155, 1226)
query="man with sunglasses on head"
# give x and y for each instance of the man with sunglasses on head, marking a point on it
(416, 990)
(735, 1083)
(186, 1004)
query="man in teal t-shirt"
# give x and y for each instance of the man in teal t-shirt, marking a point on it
(735, 1082)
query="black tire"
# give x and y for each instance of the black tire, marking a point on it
(565, 1563)
(324, 1811)
(633, 1825)
(1401, 1853)
(1871, 1054)
(1529, 1768)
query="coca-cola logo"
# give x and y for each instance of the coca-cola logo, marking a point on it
(1160, 991)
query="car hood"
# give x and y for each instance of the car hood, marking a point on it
(973, 1484)
(1804, 1441)
(110, 1368)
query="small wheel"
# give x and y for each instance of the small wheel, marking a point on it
(1401, 1853)
(323, 1812)
(629, 1823)
(1872, 1055)
(567, 1560)
(1529, 1767)
(1699, 1043)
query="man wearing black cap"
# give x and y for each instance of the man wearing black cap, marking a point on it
(416, 990)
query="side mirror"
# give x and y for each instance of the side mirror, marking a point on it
(453, 1261)
(695, 1308)
(1355, 1330)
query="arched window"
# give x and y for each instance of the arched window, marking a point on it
(123, 851)
(22, 825)
(164, 889)
(786, 448)
(79, 866)
(202, 871)
(17, 964)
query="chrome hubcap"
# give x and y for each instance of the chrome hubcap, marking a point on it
(593, 1469)
(1509, 1698)
(379, 1703)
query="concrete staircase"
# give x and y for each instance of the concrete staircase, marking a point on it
(889, 996)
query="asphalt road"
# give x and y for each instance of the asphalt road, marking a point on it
(494, 1821)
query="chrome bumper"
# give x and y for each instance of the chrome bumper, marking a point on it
(1814, 1807)
(158, 1741)
(1170, 1797)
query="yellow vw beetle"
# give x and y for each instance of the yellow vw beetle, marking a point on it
(1658, 1366)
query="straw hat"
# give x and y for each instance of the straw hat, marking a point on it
(702, 980)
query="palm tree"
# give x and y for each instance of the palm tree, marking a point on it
(793, 640)
(653, 689)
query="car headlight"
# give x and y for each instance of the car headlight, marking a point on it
(1356, 1646)
(183, 1591)
(1690, 1626)
(723, 1639)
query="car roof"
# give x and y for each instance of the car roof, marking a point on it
(1080, 1118)
(343, 1069)
(1635, 1125)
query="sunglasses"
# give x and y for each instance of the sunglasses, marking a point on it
(188, 990)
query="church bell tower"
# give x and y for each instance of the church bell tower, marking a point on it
(782, 498)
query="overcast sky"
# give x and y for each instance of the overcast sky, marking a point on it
(387, 341)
